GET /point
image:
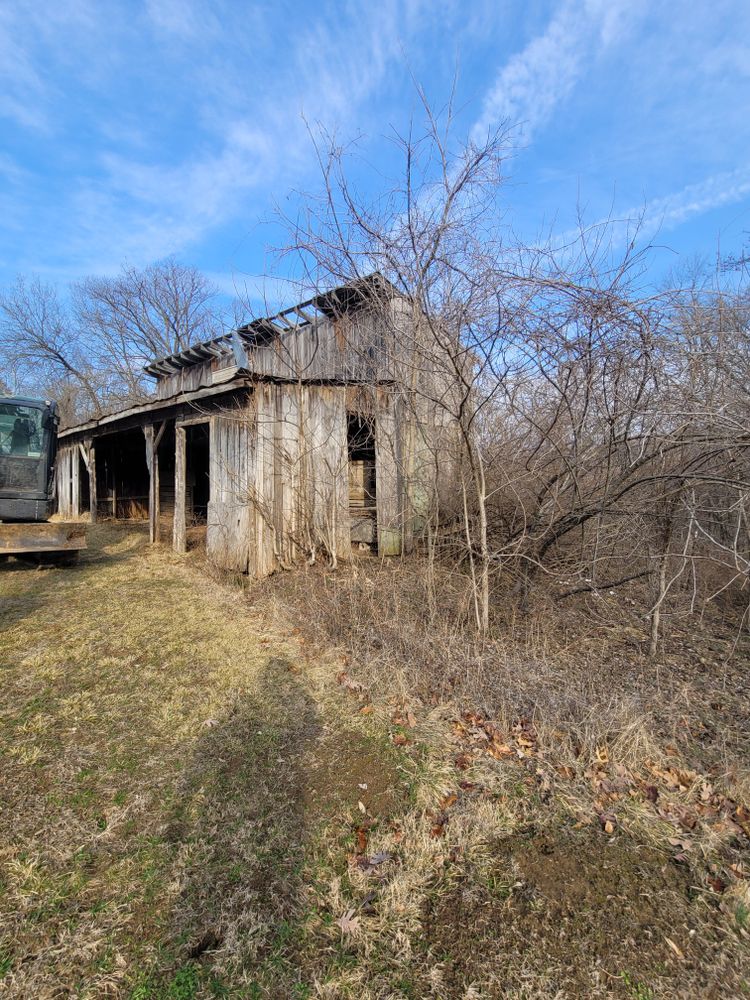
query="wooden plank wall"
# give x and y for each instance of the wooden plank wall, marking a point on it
(231, 530)
(355, 347)
(66, 459)
(279, 479)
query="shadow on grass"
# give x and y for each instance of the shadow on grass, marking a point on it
(236, 832)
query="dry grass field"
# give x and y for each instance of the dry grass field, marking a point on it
(204, 792)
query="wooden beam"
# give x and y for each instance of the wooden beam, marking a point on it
(238, 349)
(83, 445)
(202, 418)
(179, 531)
(159, 435)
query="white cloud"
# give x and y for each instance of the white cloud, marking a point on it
(666, 213)
(252, 139)
(726, 188)
(21, 88)
(536, 80)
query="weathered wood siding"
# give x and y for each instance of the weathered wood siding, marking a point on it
(352, 348)
(279, 479)
(193, 377)
(231, 516)
(65, 463)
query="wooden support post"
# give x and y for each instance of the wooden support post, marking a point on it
(153, 439)
(152, 462)
(93, 499)
(387, 488)
(179, 539)
(75, 484)
(89, 460)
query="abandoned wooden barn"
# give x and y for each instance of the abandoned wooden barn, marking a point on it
(296, 434)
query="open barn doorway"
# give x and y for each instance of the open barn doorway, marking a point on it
(122, 475)
(166, 479)
(197, 482)
(362, 480)
(84, 500)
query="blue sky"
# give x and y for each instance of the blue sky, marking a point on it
(133, 130)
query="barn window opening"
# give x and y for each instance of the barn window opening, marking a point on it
(197, 474)
(362, 479)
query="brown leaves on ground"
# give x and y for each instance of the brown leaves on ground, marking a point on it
(404, 718)
(484, 736)
(680, 796)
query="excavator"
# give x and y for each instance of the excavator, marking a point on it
(28, 445)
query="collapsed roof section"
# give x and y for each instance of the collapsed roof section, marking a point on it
(330, 305)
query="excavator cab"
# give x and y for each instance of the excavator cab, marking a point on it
(28, 446)
(28, 442)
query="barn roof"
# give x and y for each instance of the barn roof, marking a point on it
(329, 305)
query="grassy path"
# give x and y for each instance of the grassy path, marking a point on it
(163, 779)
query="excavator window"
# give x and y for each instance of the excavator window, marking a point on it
(20, 430)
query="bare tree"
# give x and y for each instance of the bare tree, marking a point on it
(599, 425)
(41, 345)
(145, 314)
(89, 352)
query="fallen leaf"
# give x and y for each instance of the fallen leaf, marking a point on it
(439, 827)
(684, 845)
(370, 864)
(411, 719)
(346, 681)
(361, 839)
(349, 923)
(742, 819)
(608, 822)
(652, 793)
(498, 750)
(400, 740)
(688, 821)
(674, 948)
(366, 904)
